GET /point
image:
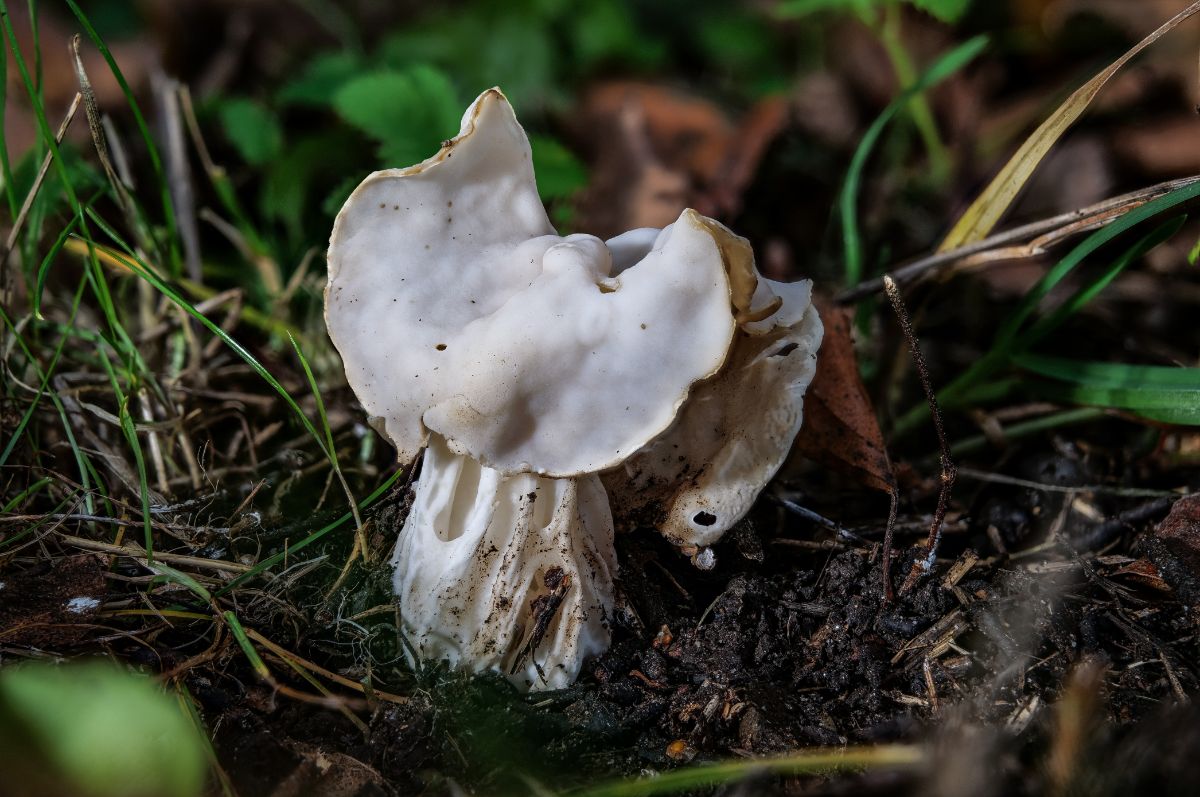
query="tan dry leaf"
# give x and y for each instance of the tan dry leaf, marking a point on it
(840, 429)
(988, 208)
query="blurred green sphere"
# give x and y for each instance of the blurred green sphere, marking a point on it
(94, 730)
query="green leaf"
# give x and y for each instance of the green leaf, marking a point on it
(607, 31)
(337, 197)
(948, 11)
(559, 172)
(1009, 337)
(441, 41)
(291, 181)
(518, 57)
(95, 729)
(320, 79)
(408, 113)
(1158, 392)
(941, 69)
(253, 129)
(744, 48)
(802, 8)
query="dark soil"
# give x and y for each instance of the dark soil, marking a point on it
(789, 643)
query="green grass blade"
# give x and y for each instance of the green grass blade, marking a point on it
(10, 191)
(1044, 326)
(20, 497)
(1023, 429)
(136, 266)
(943, 68)
(239, 633)
(187, 705)
(1055, 275)
(1008, 339)
(728, 772)
(1112, 375)
(316, 392)
(181, 578)
(99, 286)
(44, 269)
(129, 430)
(44, 374)
(1158, 392)
(45, 519)
(271, 561)
(87, 474)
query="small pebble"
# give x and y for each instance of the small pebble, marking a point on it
(82, 604)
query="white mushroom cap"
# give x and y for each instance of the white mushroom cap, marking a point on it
(700, 477)
(456, 309)
(482, 555)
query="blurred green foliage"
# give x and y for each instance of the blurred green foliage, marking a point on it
(949, 11)
(403, 110)
(94, 730)
(397, 100)
(253, 129)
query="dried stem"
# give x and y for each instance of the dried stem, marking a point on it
(948, 469)
(1039, 235)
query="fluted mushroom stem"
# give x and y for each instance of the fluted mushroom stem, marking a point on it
(508, 573)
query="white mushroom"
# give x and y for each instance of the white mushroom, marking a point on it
(457, 310)
(526, 363)
(517, 570)
(700, 477)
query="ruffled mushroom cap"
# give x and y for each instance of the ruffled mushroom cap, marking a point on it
(700, 477)
(457, 310)
(509, 573)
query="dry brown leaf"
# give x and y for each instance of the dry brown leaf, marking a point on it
(631, 186)
(1180, 530)
(1142, 571)
(840, 428)
(1165, 147)
(1174, 548)
(688, 133)
(761, 125)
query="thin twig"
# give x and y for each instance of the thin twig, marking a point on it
(179, 174)
(1102, 489)
(1045, 232)
(894, 500)
(135, 552)
(19, 223)
(284, 653)
(92, 111)
(948, 469)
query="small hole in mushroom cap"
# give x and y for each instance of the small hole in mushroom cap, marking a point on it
(440, 347)
(704, 518)
(785, 350)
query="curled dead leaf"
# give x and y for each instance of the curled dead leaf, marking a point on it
(840, 428)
